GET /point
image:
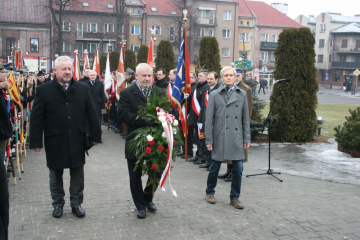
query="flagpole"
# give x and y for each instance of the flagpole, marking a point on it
(186, 100)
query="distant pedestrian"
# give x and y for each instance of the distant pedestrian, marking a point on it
(262, 86)
(60, 110)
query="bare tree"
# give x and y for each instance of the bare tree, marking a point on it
(120, 16)
(57, 9)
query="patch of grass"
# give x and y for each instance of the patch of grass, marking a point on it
(333, 114)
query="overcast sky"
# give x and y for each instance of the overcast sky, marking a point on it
(315, 7)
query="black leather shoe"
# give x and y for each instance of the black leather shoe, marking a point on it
(141, 213)
(205, 165)
(78, 211)
(151, 207)
(57, 213)
(225, 175)
(229, 178)
(189, 156)
(194, 159)
(198, 162)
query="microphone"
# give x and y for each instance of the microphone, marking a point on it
(283, 80)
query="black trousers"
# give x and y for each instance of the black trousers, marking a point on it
(76, 186)
(4, 195)
(140, 196)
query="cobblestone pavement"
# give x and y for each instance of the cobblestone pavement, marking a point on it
(297, 208)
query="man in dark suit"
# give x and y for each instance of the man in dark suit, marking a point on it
(161, 81)
(213, 82)
(97, 92)
(86, 75)
(130, 100)
(60, 110)
(51, 76)
(5, 133)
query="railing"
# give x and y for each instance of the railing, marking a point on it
(268, 45)
(206, 21)
(349, 48)
(345, 65)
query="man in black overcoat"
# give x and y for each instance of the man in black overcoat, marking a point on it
(97, 92)
(60, 110)
(130, 100)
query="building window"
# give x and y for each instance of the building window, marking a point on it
(135, 48)
(272, 57)
(225, 52)
(211, 32)
(80, 47)
(227, 15)
(264, 57)
(248, 23)
(244, 37)
(134, 11)
(91, 47)
(135, 29)
(202, 32)
(357, 59)
(322, 27)
(157, 29)
(264, 37)
(274, 38)
(106, 47)
(172, 34)
(201, 13)
(10, 42)
(108, 27)
(330, 58)
(320, 58)
(79, 30)
(226, 33)
(92, 27)
(66, 47)
(65, 27)
(321, 43)
(342, 58)
(344, 43)
(241, 23)
(153, 9)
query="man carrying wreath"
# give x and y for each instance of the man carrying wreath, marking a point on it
(130, 100)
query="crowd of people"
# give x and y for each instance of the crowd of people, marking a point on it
(66, 120)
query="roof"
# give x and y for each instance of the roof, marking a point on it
(103, 6)
(266, 15)
(337, 17)
(348, 28)
(25, 11)
(162, 7)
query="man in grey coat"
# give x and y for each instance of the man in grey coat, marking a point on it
(227, 133)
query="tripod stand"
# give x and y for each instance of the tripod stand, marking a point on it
(269, 121)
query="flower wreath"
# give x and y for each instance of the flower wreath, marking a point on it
(156, 146)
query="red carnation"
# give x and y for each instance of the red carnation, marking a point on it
(151, 142)
(154, 166)
(148, 150)
(174, 142)
(161, 148)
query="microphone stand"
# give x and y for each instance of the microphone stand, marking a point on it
(269, 121)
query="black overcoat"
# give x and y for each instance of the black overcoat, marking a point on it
(61, 115)
(130, 100)
(98, 95)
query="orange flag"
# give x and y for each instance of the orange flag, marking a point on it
(14, 93)
(151, 54)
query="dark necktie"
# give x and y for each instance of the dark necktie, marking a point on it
(145, 91)
(65, 85)
(92, 82)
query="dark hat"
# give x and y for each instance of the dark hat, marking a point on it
(1, 66)
(40, 73)
(129, 71)
(238, 71)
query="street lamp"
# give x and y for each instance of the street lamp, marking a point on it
(320, 121)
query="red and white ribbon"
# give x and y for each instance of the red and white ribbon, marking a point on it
(195, 104)
(166, 118)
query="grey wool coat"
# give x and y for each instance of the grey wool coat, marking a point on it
(227, 125)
